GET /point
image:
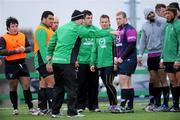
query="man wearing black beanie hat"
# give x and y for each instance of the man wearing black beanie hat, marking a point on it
(77, 15)
(63, 50)
(62, 53)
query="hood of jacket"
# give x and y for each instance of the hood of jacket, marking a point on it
(147, 11)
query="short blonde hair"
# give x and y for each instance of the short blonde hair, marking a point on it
(121, 13)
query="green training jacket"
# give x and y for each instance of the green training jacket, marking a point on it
(171, 45)
(65, 42)
(86, 44)
(102, 51)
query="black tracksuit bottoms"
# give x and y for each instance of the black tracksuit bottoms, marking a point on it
(88, 83)
(65, 81)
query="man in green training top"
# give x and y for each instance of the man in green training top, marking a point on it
(63, 49)
(102, 58)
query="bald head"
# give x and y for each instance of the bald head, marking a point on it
(55, 23)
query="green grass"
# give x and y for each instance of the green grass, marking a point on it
(5, 114)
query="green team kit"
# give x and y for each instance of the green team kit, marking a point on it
(63, 53)
(171, 42)
(102, 51)
(86, 44)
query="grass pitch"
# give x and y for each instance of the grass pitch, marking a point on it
(139, 114)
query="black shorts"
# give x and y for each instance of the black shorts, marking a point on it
(169, 67)
(16, 70)
(43, 71)
(127, 67)
(153, 63)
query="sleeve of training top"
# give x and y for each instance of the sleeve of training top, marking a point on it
(142, 45)
(93, 57)
(41, 36)
(131, 35)
(86, 33)
(129, 50)
(92, 33)
(3, 51)
(28, 47)
(52, 44)
(114, 50)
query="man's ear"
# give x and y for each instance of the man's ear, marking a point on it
(44, 20)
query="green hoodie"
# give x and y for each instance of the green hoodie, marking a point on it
(64, 44)
(171, 45)
(102, 51)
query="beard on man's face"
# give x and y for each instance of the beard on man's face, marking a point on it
(152, 18)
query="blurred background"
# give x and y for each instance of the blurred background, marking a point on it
(28, 12)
